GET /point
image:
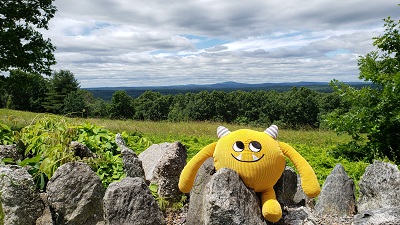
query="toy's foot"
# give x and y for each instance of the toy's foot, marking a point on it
(272, 211)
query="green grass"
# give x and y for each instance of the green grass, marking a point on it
(181, 130)
(313, 145)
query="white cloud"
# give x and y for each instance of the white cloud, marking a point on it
(154, 42)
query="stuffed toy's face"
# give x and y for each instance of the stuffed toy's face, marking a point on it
(255, 156)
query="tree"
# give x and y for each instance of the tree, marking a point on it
(22, 46)
(93, 107)
(3, 92)
(256, 107)
(121, 106)
(98, 108)
(223, 107)
(74, 104)
(26, 91)
(200, 107)
(61, 84)
(301, 108)
(374, 111)
(152, 106)
(176, 111)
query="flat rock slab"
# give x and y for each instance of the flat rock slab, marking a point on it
(337, 197)
(129, 201)
(75, 195)
(388, 216)
(20, 203)
(379, 187)
(228, 201)
(163, 164)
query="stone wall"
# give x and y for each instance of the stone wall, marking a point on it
(75, 195)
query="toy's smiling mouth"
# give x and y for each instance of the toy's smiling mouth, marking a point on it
(255, 158)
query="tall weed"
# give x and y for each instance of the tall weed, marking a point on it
(6, 134)
(46, 146)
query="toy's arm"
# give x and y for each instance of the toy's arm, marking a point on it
(309, 180)
(188, 174)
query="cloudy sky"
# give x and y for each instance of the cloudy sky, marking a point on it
(158, 42)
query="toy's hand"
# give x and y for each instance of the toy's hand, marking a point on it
(188, 174)
(310, 185)
(309, 181)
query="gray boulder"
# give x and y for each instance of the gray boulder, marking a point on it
(382, 216)
(298, 216)
(203, 176)
(75, 195)
(132, 165)
(119, 140)
(300, 198)
(129, 201)
(337, 197)
(81, 150)
(286, 187)
(163, 164)
(10, 151)
(379, 187)
(228, 201)
(20, 203)
(45, 218)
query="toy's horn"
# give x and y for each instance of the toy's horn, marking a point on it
(272, 131)
(222, 131)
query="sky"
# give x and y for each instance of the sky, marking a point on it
(114, 43)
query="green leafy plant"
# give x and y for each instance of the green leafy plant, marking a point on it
(163, 203)
(108, 163)
(46, 146)
(136, 141)
(6, 134)
(166, 204)
(96, 138)
(109, 167)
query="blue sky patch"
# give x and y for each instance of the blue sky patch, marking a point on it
(337, 52)
(205, 42)
(97, 26)
(161, 51)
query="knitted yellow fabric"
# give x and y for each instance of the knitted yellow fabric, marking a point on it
(258, 159)
(258, 170)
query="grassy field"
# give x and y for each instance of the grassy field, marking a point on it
(314, 145)
(18, 119)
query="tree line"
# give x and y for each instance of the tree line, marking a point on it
(60, 94)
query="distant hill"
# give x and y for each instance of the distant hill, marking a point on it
(107, 92)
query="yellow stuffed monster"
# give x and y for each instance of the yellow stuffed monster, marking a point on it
(259, 159)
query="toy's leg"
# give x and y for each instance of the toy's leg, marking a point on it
(271, 209)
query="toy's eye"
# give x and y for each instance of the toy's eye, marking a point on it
(255, 146)
(238, 146)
